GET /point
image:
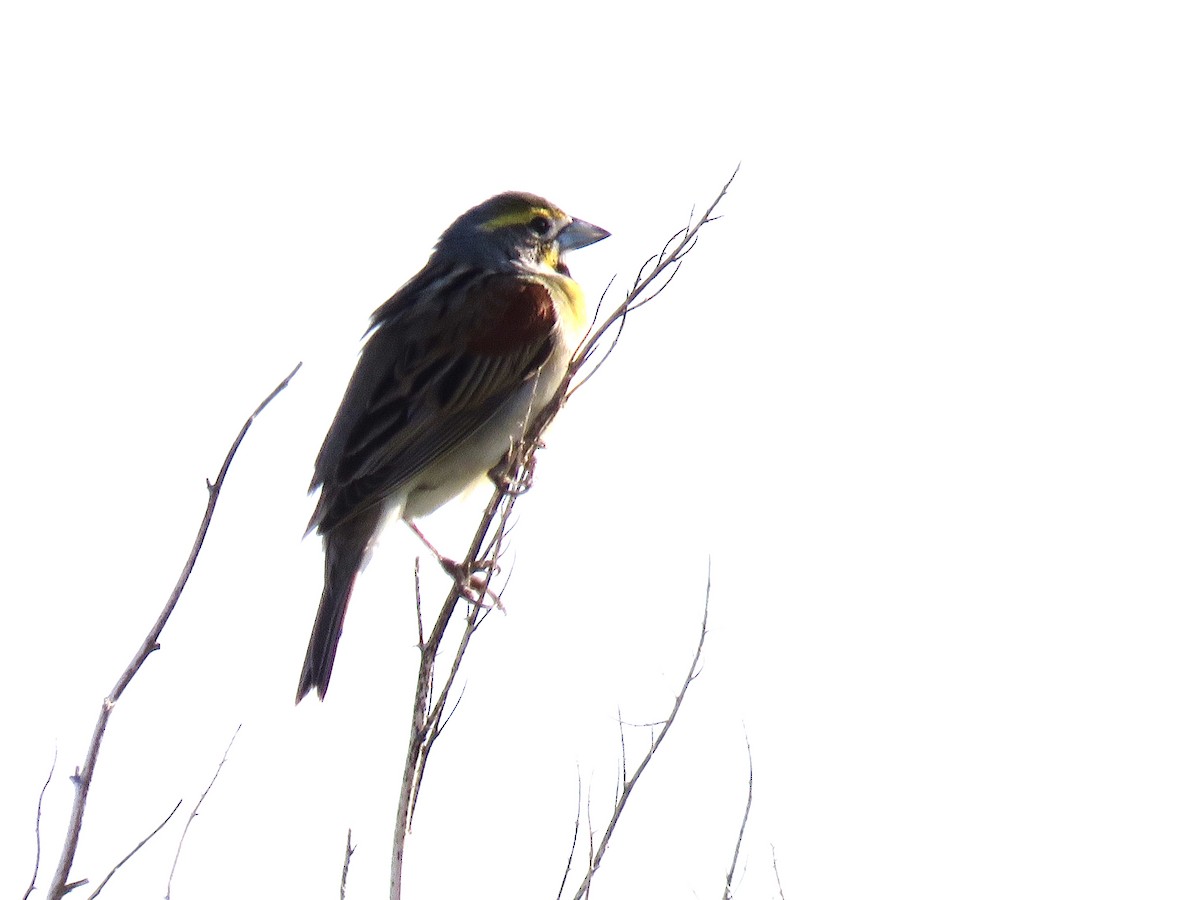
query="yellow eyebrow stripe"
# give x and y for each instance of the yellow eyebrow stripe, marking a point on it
(521, 216)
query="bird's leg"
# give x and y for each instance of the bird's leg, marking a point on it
(472, 585)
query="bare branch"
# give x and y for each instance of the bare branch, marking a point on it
(139, 846)
(631, 782)
(677, 246)
(83, 777)
(775, 866)
(37, 827)
(428, 711)
(346, 866)
(624, 750)
(196, 808)
(575, 833)
(417, 600)
(737, 848)
(419, 734)
(591, 843)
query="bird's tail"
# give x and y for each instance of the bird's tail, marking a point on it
(345, 546)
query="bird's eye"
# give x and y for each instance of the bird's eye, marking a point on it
(540, 225)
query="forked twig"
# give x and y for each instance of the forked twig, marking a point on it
(196, 808)
(142, 843)
(346, 866)
(83, 777)
(574, 834)
(737, 848)
(629, 783)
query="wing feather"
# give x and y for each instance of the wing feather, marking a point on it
(436, 367)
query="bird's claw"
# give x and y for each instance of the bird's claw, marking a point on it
(472, 582)
(523, 480)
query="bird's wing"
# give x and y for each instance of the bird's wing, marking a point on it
(437, 365)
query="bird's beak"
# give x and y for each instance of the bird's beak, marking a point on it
(580, 234)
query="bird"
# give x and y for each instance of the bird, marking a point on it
(453, 369)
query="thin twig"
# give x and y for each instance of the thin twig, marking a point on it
(37, 827)
(676, 247)
(346, 865)
(737, 848)
(426, 710)
(631, 782)
(417, 737)
(196, 808)
(591, 842)
(575, 833)
(83, 777)
(775, 866)
(437, 716)
(139, 846)
(417, 600)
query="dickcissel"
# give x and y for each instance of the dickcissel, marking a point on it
(454, 368)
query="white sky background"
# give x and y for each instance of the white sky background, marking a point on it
(927, 397)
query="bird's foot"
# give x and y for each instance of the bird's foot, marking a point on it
(472, 582)
(501, 473)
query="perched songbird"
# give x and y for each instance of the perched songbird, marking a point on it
(455, 366)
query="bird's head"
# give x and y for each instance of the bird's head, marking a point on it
(517, 231)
